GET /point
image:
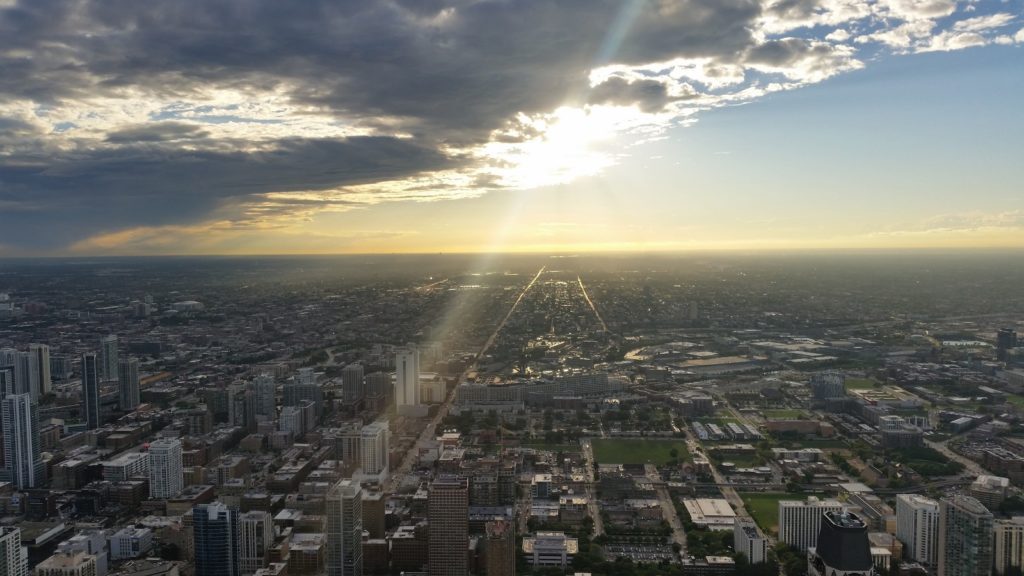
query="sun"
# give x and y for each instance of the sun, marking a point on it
(556, 148)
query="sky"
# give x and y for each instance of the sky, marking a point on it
(261, 126)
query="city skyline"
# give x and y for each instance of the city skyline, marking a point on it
(445, 414)
(457, 126)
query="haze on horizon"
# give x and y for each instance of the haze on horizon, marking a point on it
(369, 126)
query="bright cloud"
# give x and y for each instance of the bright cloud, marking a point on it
(143, 123)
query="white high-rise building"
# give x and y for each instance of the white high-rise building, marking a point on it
(266, 390)
(800, 521)
(917, 526)
(345, 529)
(23, 463)
(1009, 546)
(108, 358)
(41, 356)
(13, 556)
(128, 384)
(407, 377)
(256, 538)
(748, 540)
(166, 474)
(374, 440)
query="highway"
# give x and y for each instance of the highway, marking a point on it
(591, 303)
(494, 335)
(592, 509)
(430, 431)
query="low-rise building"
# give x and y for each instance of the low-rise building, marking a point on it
(550, 549)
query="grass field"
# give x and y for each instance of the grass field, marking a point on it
(783, 413)
(1015, 399)
(551, 447)
(764, 507)
(741, 460)
(860, 383)
(637, 451)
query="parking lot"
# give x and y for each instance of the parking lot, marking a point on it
(640, 553)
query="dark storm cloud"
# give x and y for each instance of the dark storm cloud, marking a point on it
(149, 185)
(648, 95)
(157, 132)
(447, 72)
(467, 71)
(779, 52)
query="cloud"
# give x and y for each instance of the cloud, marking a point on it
(226, 237)
(648, 95)
(981, 23)
(802, 60)
(157, 132)
(152, 183)
(916, 9)
(120, 115)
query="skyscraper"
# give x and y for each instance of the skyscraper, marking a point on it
(345, 529)
(242, 407)
(378, 390)
(842, 547)
(374, 440)
(166, 474)
(13, 556)
(304, 387)
(215, 536)
(800, 520)
(23, 464)
(256, 539)
(749, 541)
(965, 537)
(352, 389)
(128, 383)
(7, 381)
(1009, 546)
(91, 389)
(108, 358)
(500, 548)
(266, 388)
(407, 377)
(41, 356)
(1006, 340)
(448, 517)
(26, 374)
(917, 526)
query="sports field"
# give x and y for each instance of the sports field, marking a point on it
(638, 450)
(764, 507)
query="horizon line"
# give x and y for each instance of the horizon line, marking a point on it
(559, 253)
